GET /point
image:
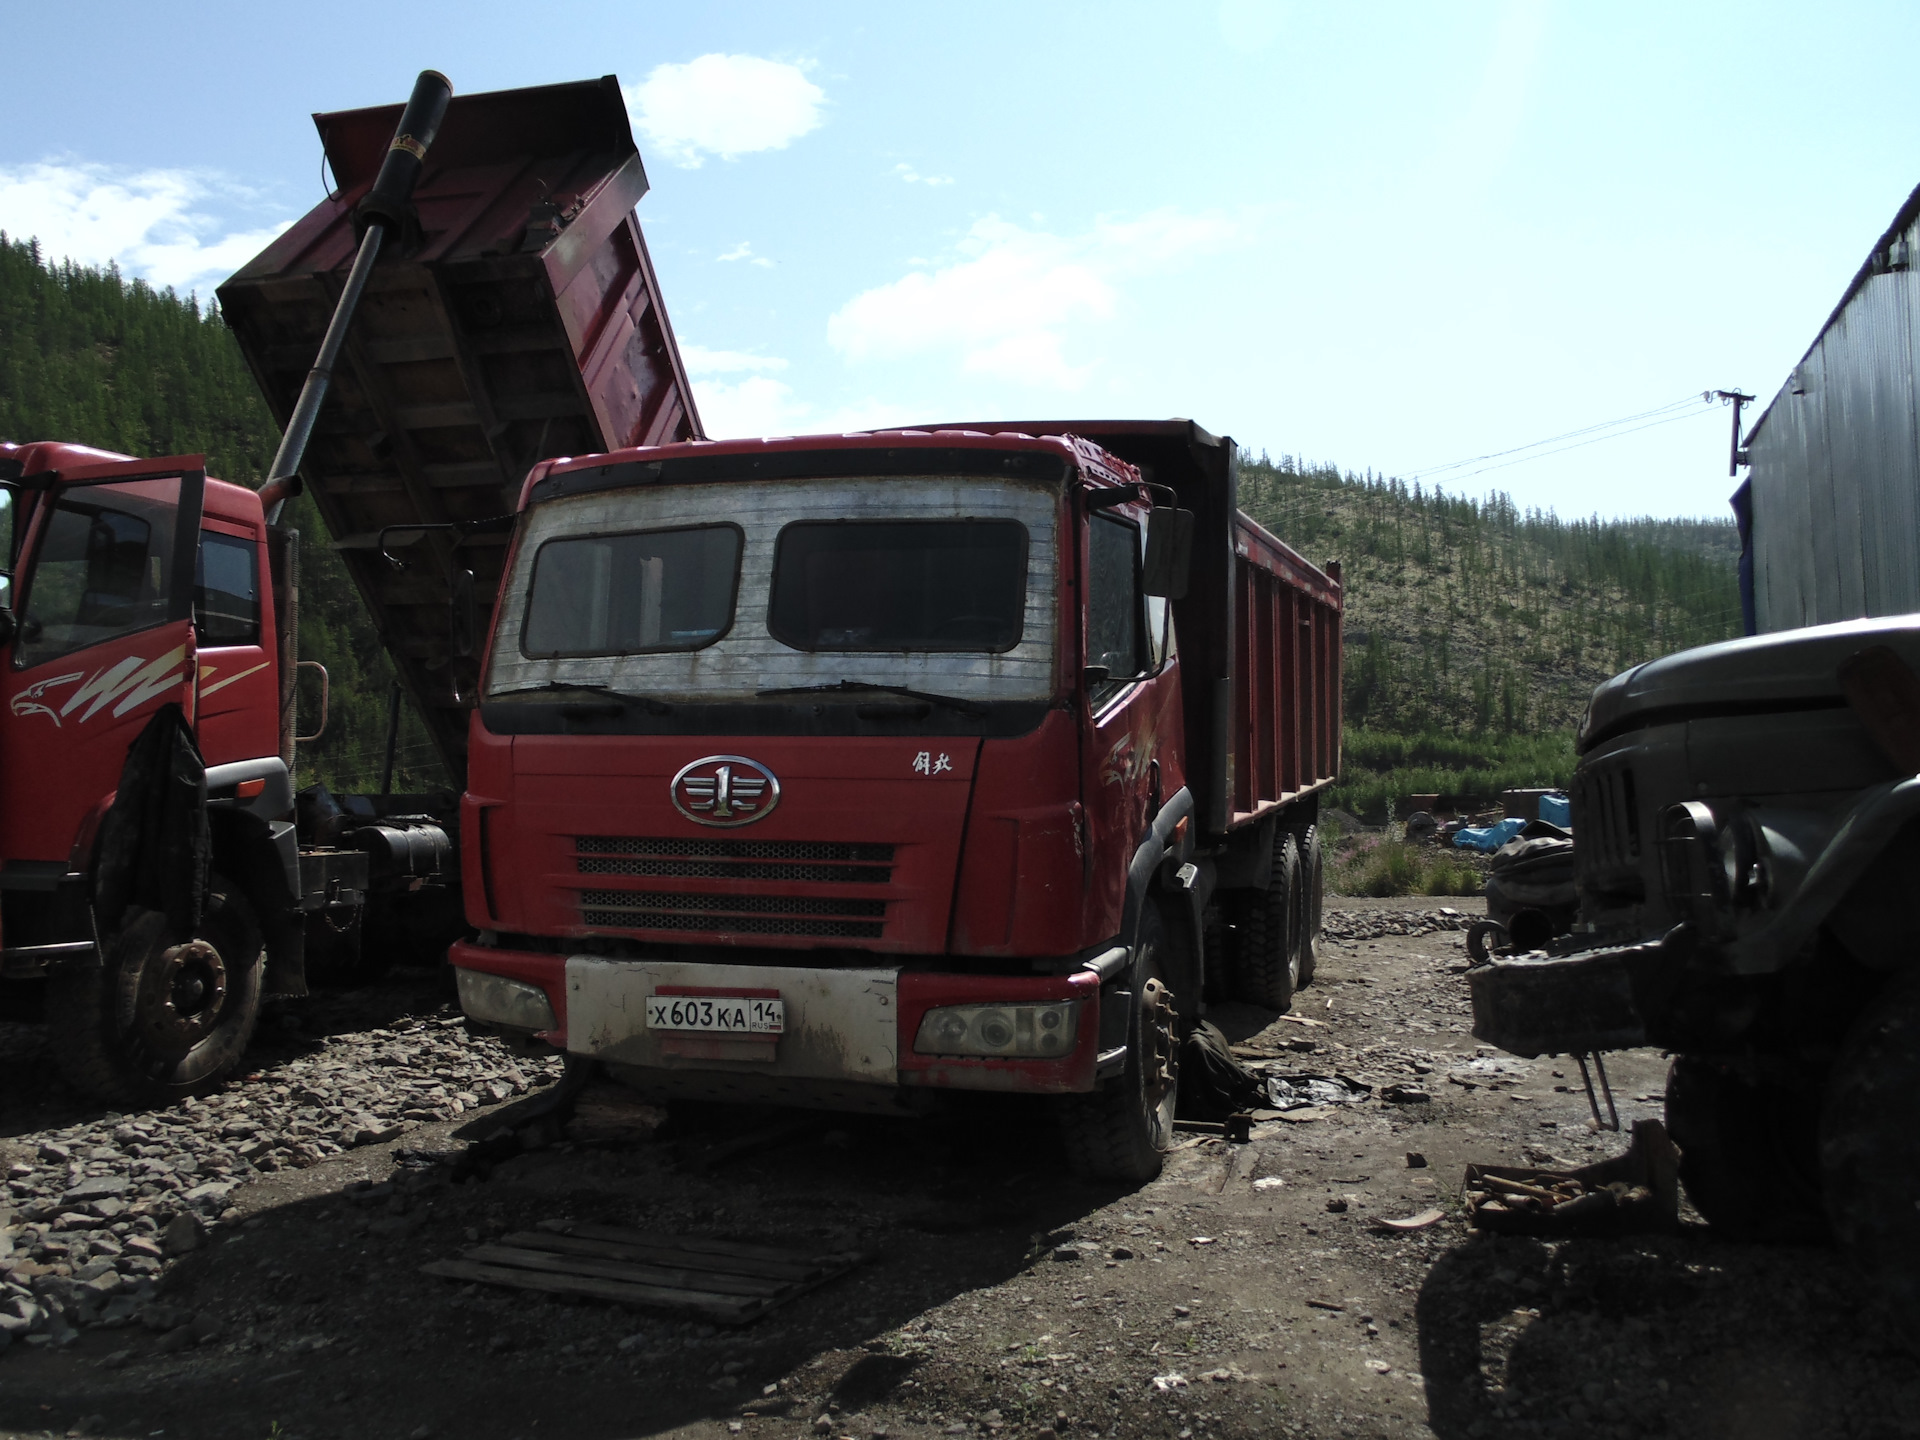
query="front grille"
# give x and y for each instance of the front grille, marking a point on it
(816, 916)
(821, 862)
(1606, 817)
(837, 851)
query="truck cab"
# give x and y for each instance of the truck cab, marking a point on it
(846, 771)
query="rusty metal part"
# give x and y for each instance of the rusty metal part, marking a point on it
(1612, 1122)
(1634, 1193)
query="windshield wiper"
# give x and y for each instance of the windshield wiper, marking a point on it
(952, 702)
(624, 697)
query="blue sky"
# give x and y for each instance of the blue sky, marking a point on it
(1390, 237)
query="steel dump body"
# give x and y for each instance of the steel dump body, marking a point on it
(898, 859)
(1259, 628)
(523, 321)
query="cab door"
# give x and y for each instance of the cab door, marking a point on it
(103, 637)
(1122, 744)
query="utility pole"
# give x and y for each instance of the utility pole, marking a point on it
(1738, 402)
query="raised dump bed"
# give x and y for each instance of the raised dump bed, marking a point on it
(519, 320)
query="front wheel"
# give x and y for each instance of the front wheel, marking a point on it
(1867, 1153)
(1124, 1131)
(162, 1018)
(1747, 1151)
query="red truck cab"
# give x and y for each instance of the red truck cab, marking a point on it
(848, 770)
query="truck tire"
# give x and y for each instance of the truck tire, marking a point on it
(1748, 1152)
(1867, 1153)
(158, 1020)
(1123, 1131)
(1266, 952)
(1313, 882)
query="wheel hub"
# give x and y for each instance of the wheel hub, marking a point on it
(1156, 1002)
(181, 997)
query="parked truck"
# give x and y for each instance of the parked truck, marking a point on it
(157, 877)
(1747, 823)
(853, 771)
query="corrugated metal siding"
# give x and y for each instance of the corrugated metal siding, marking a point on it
(1836, 462)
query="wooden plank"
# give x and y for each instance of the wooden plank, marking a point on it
(698, 1245)
(729, 1309)
(690, 1282)
(621, 1267)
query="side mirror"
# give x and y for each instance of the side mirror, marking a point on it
(463, 623)
(1169, 553)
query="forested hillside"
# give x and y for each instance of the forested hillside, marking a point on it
(91, 356)
(1475, 631)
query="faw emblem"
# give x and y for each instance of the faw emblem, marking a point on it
(125, 685)
(725, 790)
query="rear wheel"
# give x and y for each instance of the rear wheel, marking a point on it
(1123, 1131)
(162, 1018)
(1266, 953)
(1748, 1151)
(1867, 1153)
(1312, 882)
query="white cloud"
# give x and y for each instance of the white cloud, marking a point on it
(725, 105)
(743, 251)
(914, 177)
(155, 223)
(699, 360)
(733, 410)
(1004, 308)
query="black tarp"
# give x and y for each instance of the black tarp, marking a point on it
(155, 845)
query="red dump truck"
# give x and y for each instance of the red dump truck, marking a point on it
(157, 876)
(849, 771)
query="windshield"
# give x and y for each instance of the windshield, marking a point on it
(719, 591)
(629, 594)
(900, 585)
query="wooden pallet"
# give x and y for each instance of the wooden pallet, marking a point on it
(718, 1280)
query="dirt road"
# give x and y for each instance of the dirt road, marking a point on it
(997, 1298)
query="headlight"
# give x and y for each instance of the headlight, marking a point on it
(1044, 1029)
(496, 1000)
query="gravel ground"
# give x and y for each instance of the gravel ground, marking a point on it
(99, 1210)
(1246, 1292)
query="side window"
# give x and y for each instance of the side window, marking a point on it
(226, 591)
(101, 570)
(1116, 638)
(9, 538)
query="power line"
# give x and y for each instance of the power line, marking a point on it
(1610, 426)
(1580, 444)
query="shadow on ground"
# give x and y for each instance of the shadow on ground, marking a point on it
(1679, 1335)
(322, 1324)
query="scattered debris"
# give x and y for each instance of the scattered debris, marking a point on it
(1415, 1160)
(1268, 1182)
(1413, 1222)
(1164, 1383)
(1405, 1092)
(607, 1113)
(718, 1280)
(1636, 1192)
(1293, 1092)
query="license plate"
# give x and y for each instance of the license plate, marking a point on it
(719, 1014)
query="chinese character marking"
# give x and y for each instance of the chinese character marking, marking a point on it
(942, 764)
(922, 763)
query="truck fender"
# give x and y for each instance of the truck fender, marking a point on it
(257, 855)
(1161, 846)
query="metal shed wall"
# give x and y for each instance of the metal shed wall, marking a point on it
(1834, 461)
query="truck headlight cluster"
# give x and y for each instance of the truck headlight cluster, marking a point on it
(496, 1000)
(1035, 1029)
